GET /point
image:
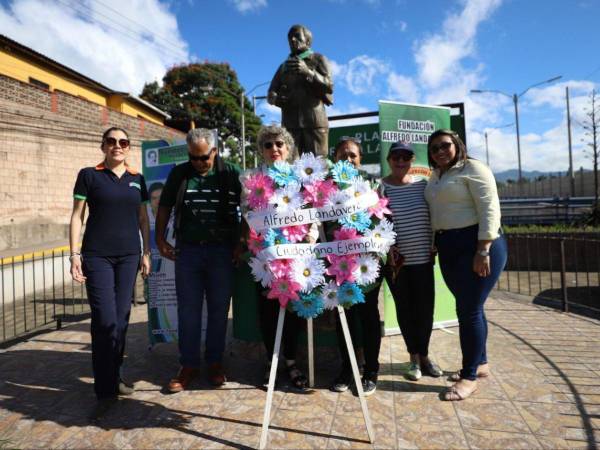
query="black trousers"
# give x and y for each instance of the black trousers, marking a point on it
(109, 285)
(268, 313)
(414, 295)
(366, 316)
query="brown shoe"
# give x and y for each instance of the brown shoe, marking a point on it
(182, 380)
(216, 374)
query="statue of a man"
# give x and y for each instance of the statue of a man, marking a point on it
(301, 87)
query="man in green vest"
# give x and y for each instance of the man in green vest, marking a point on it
(205, 195)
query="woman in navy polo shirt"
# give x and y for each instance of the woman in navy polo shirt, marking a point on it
(110, 254)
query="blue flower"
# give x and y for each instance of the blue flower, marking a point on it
(308, 306)
(275, 237)
(350, 294)
(282, 173)
(360, 221)
(343, 172)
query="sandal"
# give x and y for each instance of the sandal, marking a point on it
(456, 376)
(297, 378)
(452, 394)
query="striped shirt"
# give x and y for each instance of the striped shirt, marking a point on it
(411, 220)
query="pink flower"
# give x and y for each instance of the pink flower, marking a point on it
(319, 192)
(260, 189)
(255, 242)
(280, 267)
(345, 233)
(295, 233)
(380, 208)
(341, 267)
(284, 289)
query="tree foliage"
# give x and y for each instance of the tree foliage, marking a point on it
(208, 94)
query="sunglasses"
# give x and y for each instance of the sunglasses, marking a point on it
(202, 158)
(443, 146)
(356, 140)
(111, 141)
(269, 145)
(403, 157)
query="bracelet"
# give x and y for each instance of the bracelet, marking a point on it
(147, 253)
(73, 255)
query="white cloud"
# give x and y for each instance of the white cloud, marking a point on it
(439, 55)
(402, 88)
(122, 50)
(271, 113)
(245, 6)
(361, 74)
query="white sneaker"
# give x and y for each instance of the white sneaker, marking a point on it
(414, 372)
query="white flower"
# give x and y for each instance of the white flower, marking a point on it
(383, 230)
(309, 168)
(260, 270)
(367, 270)
(358, 187)
(330, 295)
(338, 198)
(287, 198)
(308, 272)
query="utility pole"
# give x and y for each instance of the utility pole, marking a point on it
(487, 150)
(571, 175)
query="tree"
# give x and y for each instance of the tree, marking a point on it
(591, 125)
(207, 94)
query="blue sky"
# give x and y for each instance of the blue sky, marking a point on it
(430, 51)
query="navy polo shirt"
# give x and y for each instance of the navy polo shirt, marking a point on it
(113, 224)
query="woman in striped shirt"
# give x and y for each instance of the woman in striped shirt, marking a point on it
(410, 277)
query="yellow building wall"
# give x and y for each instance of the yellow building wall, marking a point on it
(21, 70)
(133, 110)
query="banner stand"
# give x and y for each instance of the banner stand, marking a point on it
(359, 389)
(275, 362)
(311, 353)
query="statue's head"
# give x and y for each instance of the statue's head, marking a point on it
(299, 38)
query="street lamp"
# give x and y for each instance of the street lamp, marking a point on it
(487, 150)
(515, 99)
(242, 95)
(244, 122)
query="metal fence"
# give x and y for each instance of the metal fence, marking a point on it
(556, 269)
(545, 211)
(37, 291)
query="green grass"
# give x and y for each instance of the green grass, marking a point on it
(549, 229)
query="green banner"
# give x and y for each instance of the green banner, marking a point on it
(414, 124)
(367, 133)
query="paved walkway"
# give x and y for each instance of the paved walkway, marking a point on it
(544, 393)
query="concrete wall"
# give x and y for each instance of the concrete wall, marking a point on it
(44, 142)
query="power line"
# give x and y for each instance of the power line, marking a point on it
(120, 15)
(132, 35)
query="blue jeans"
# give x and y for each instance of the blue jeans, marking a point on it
(109, 286)
(456, 251)
(202, 270)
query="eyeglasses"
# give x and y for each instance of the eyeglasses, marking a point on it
(404, 157)
(111, 141)
(443, 146)
(269, 145)
(202, 158)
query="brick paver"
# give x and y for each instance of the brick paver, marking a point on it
(544, 392)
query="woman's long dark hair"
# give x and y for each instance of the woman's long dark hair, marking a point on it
(461, 149)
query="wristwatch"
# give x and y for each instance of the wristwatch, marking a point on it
(483, 253)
